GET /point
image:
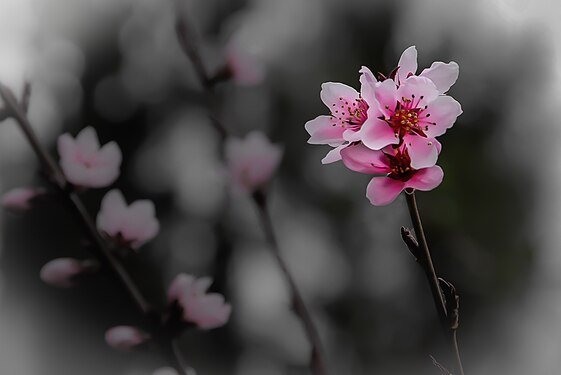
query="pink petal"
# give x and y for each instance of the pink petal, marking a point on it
(323, 132)
(331, 92)
(407, 64)
(112, 213)
(66, 146)
(444, 111)
(109, 155)
(333, 155)
(423, 151)
(180, 286)
(377, 134)
(246, 69)
(383, 190)
(139, 223)
(426, 179)
(201, 285)
(75, 173)
(60, 272)
(386, 95)
(443, 75)
(209, 311)
(87, 141)
(420, 90)
(19, 199)
(359, 158)
(252, 161)
(352, 136)
(100, 177)
(125, 337)
(368, 84)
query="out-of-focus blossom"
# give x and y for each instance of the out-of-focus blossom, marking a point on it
(206, 310)
(349, 111)
(125, 338)
(411, 109)
(395, 166)
(20, 199)
(84, 163)
(131, 225)
(245, 68)
(252, 161)
(61, 272)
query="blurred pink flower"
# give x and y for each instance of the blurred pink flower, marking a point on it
(20, 199)
(245, 68)
(252, 161)
(125, 338)
(206, 310)
(84, 163)
(349, 111)
(131, 225)
(395, 166)
(61, 272)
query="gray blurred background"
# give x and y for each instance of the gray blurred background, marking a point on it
(493, 224)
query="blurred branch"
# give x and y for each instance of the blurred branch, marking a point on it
(186, 37)
(317, 361)
(56, 177)
(446, 302)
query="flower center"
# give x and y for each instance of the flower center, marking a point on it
(351, 114)
(400, 165)
(408, 118)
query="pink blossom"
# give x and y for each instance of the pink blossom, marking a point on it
(20, 199)
(252, 161)
(349, 111)
(206, 310)
(410, 108)
(245, 68)
(125, 338)
(443, 75)
(61, 272)
(84, 163)
(395, 166)
(131, 225)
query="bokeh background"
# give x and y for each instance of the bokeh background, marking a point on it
(493, 225)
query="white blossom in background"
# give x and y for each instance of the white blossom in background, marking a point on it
(85, 163)
(252, 161)
(132, 225)
(125, 338)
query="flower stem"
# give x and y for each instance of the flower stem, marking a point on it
(17, 111)
(317, 360)
(425, 260)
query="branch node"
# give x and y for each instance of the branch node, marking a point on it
(452, 302)
(411, 243)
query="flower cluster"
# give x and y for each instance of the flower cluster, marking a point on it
(389, 128)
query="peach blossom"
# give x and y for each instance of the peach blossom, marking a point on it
(252, 161)
(85, 163)
(206, 310)
(132, 225)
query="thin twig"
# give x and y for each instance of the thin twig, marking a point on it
(57, 178)
(317, 360)
(186, 37)
(425, 260)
